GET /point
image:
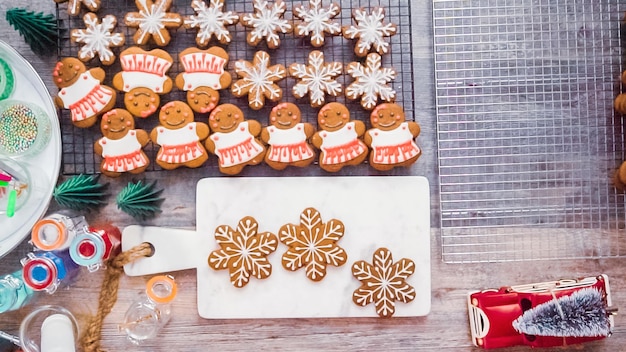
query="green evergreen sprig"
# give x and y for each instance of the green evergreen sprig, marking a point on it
(80, 192)
(39, 30)
(140, 200)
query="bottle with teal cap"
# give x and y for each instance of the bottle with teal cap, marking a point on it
(14, 293)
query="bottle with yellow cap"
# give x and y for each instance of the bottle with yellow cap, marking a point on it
(152, 311)
(55, 232)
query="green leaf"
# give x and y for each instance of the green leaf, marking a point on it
(81, 192)
(40, 31)
(140, 200)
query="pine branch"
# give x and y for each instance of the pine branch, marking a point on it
(140, 200)
(39, 30)
(81, 192)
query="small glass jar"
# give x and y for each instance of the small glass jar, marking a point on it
(49, 328)
(46, 271)
(95, 245)
(14, 294)
(147, 316)
(16, 186)
(56, 231)
(25, 128)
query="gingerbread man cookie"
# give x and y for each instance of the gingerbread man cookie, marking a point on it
(370, 31)
(121, 144)
(180, 137)
(233, 139)
(210, 21)
(153, 21)
(258, 80)
(81, 91)
(142, 79)
(266, 22)
(391, 138)
(287, 138)
(204, 75)
(97, 38)
(338, 138)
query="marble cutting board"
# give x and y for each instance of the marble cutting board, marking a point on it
(379, 211)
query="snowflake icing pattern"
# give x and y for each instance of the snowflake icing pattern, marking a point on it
(73, 6)
(258, 80)
(243, 251)
(370, 31)
(383, 282)
(312, 244)
(211, 21)
(316, 79)
(98, 38)
(152, 20)
(370, 82)
(266, 21)
(316, 21)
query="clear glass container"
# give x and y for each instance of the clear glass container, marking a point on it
(14, 294)
(95, 245)
(25, 128)
(15, 186)
(56, 231)
(49, 328)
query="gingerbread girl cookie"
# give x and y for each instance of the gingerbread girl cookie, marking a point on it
(233, 139)
(204, 75)
(143, 78)
(370, 31)
(153, 21)
(266, 22)
(121, 146)
(287, 138)
(180, 137)
(391, 138)
(81, 91)
(338, 138)
(97, 38)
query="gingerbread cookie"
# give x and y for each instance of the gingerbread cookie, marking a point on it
(287, 138)
(180, 137)
(142, 79)
(317, 79)
(391, 138)
(97, 38)
(312, 244)
(243, 251)
(81, 91)
(383, 282)
(317, 21)
(619, 177)
(266, 22)
(338, 138)
(370, 82)
(210, 21)
(370, 31)
(73, 6)
(153, 21)
(234, 140)
(121, 144)
(258, 80)
(204, 75)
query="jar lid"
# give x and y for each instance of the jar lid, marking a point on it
(49, 234)
(161, 289)
(39, 273)
(87, 249)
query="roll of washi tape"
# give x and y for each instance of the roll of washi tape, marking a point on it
(25, 128)
(7, 80)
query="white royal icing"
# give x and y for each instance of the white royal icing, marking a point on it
(266, 21)
(211, 21)
(236, 147)
(288, 145)
(393, 146)
(152, 18)
(98, 38)
(317, 78)
(202, 70)
(317, 20)
(127, 147)
(370, 30)
(86, 97)
(370, 81)
(74, 6)
(136, 79)
(258, 79)
(342, 145)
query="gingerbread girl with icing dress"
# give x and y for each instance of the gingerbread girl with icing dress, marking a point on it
(121, 146)
(180, 137)
(81, 91)
(338, 138)
(287, 138)
(234, 139)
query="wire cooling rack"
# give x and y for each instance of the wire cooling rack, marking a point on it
(78, 155)
(528, 139)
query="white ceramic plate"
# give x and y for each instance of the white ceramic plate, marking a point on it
(43, 167)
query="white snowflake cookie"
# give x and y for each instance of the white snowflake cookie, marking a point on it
(211, 21)
(370, 31)
(266, 22)
(317, 79)
(258, 80)
(317, 21)
(74, 6)
(97, 38)
(370, 82)
(153, 21)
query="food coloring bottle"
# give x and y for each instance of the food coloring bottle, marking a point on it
(55, 232)
(94, 246)
(46, 271)
(14, 294)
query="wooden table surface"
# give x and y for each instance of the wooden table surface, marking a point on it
(445, 328)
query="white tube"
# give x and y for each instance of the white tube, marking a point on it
(57, 334)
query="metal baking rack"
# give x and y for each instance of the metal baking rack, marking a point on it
(78, 155)
(528, 139)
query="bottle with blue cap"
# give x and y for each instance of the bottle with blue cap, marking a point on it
(14, 293)
(46, 271)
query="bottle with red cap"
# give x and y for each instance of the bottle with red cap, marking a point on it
(95, 245)
(46, 271)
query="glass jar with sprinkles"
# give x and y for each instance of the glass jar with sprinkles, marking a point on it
(25, 128)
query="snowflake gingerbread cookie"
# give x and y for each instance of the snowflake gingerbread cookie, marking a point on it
(370, 31)
(266, 22)
(383, 282)
(74, 6)
(210, 21)
(97, 38)
(153, 21)
(312, 244)
(243, 251)
(258, 80)
(317, 21)
(370, 82)
(317, 79)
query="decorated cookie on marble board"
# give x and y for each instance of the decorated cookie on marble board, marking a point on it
(391, 138)
(204, 76)
(338, 138)
(121, 144)
(81, 91)
(142, 79)
(97, 38)
(234, 140)
(287, 138)
(179, 137)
